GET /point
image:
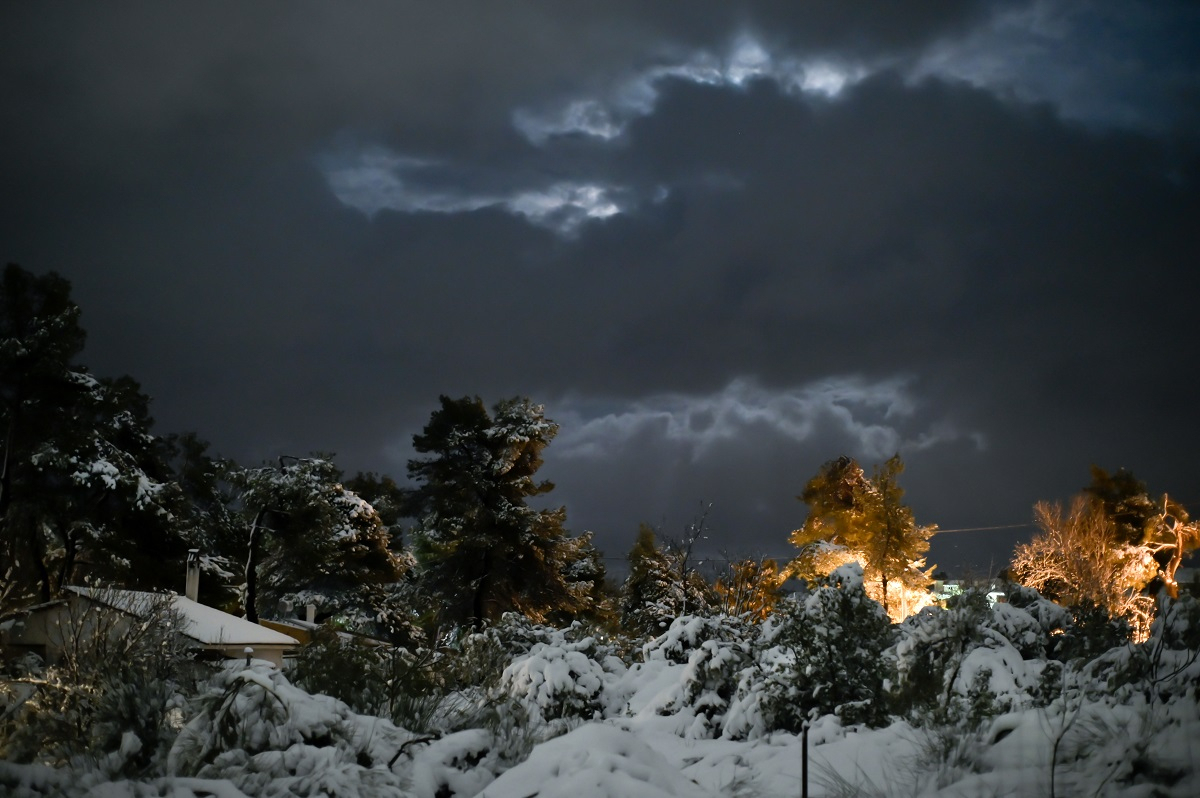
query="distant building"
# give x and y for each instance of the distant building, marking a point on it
(945, 589)
(46, 629)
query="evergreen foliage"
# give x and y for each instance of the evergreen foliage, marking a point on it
(86, 491)
(826, 655)
(323, 545)
(658, 589)
(483, 550)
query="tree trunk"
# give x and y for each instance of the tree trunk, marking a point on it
(5, 476)
(252, 568)
(479, 601)
(39, 561)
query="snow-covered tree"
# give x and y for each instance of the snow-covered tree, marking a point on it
(85, 489)
(824, 654)
(312, 541)
(658, 589)
(482, 549)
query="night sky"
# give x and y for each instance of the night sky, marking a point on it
(721, 242)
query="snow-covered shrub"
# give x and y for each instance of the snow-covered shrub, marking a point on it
(1165, 666)
(113, 699)
(825, 654)
(930, 652)
(596, 761)
(965, 663)
(262, 733)
(391, 682)
(557, 679)
(713, 652)
(480, 657)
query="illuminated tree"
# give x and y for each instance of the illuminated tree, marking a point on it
(852, 516)
(1162, 527)
(1169, 535)
(752, 587)
(1080, 556)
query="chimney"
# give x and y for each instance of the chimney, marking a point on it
(191, 588)
(310, 613)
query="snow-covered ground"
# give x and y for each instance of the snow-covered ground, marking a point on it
(688, 715)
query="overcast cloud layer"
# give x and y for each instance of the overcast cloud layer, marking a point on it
(721, 246)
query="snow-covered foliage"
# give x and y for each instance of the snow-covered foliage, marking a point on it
(713, 652)
(328, 546)
(596, 761)
(557, 679)
(660, 588)
(712, 706)
(113, 699)
(255, 729)
(824, 654)
(948, 660)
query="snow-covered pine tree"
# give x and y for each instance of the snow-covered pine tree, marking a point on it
(656, 592)
(312, 541)
(482, 549)
(85, 488)
(825, 655)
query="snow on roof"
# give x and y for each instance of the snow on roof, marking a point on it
(207, 625)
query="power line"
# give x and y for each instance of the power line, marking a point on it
(983, 528)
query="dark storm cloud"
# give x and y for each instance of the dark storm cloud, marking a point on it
(298, 224)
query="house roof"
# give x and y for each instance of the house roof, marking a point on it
(202, 623)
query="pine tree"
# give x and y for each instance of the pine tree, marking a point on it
(483, 550)
(85, 488)
(865, 517)
(826, 655)
(312, 541)
(657, 590)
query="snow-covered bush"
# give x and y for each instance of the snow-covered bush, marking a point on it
(972, 660)
(479, 658)
(1164, 667)
(713, 652)
(404, 686)
(557, 679)
(259, 731)
(824, 654)
(113, 699)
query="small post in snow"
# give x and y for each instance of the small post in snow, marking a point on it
(249, 653)
(804, 760)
